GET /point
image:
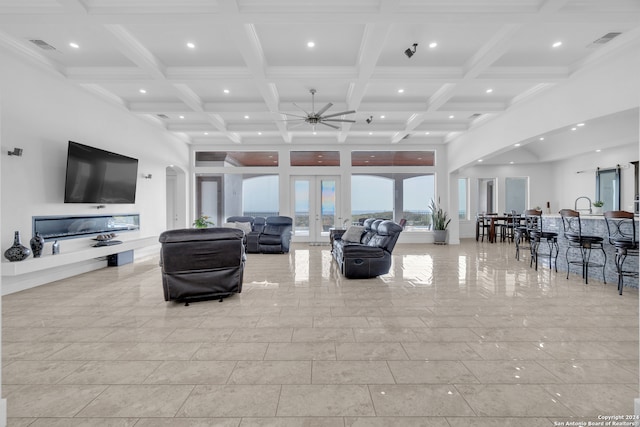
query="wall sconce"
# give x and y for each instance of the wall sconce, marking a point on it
(147, 176)
(16, 152)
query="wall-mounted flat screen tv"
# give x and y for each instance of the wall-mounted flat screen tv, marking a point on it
(99, 176)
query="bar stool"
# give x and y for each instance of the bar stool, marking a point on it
(482, 226)
(533, 222)
(621, 229)
(520, 235)
(509, 226)
(584, 243)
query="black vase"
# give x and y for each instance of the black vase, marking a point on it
(37, 244)
(17, 252)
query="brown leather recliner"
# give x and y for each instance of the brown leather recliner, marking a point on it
(201, 264)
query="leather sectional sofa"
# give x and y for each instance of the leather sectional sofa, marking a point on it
(270, 235)
(370, 254)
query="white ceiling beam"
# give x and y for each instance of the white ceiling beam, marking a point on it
(136, 51)
(249, 46)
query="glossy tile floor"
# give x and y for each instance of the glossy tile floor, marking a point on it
(453, 336)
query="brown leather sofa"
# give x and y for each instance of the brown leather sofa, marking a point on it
(201, 264)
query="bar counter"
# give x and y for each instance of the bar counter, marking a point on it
(594, 225)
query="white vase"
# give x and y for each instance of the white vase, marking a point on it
(597, 210)
(440, 237)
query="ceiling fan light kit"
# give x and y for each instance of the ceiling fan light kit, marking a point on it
(317, 117)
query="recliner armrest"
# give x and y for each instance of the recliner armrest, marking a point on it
(362, 251)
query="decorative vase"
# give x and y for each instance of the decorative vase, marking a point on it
(37, 244)
(597, 210)
(17, 252)
(440, 237)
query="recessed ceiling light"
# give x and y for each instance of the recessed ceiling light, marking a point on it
(315, 133)
(182, 117)
(516, 145)
(226, 90)
(206, 133)
(382, 117)
(400, 90)
(259, 133)
(580, 124)
(557, 44)
(480, 160)
(542, 138)
(574, 128)
(246, 117)
(598, 150)
(191, 45)
(311, 44)
(319, 161)
(489, 90)
(426, 133)
(143, 91)
(510, 163)
(320, 156)
(452, 116)
(74, 45)
(433, 44)
(370, 133)
(372, 156)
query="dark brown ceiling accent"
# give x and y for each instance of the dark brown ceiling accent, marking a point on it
(392, 158)
(315, 158)
(240, 158)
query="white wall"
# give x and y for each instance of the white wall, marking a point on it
(41, 112)
(576, 184)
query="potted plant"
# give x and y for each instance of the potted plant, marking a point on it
(202, 222)
(597, 206)
(440, 221)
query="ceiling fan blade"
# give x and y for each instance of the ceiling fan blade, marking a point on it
(339, 114)
(327, 124)
(294, 115)
(338, 120)
(300, 108)
(295, 126)
(323, 109)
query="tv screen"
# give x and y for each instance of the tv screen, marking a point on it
(99, 176)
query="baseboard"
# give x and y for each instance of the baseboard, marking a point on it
(3, 412)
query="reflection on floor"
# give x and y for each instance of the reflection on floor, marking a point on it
(453, 336)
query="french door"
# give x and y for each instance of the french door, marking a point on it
(315, 207)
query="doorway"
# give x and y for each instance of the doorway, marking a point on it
(486, 195)
(315, 207)
(176, 208)
(209, 198)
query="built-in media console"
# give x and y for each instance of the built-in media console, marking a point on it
(75, 226)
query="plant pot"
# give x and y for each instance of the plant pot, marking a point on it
(597, 210)
(440, 237)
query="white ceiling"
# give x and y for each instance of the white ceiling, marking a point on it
(257, 50)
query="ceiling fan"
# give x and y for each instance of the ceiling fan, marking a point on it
(317, 117)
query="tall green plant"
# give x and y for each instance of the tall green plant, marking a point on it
(440, 217)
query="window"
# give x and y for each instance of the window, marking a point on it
(393, 196)
(463, 198)
(237, 158)
(371, 196)
(260, 196)
(417, 193)
(516, 194)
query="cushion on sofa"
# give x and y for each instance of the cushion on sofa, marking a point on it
(244, 226)
(353, 234)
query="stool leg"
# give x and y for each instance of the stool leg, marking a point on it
(604, 264)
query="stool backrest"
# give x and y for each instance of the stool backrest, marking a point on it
(533, 220)
(571, 223)
(621, 227)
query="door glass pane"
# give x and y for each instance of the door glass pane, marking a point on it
(209, 200)
(515, 194)
(328, 205)
(302, 208)
(608, 189)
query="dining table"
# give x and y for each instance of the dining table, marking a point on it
(492, 225)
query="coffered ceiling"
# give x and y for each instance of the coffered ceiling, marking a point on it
(250, 61)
